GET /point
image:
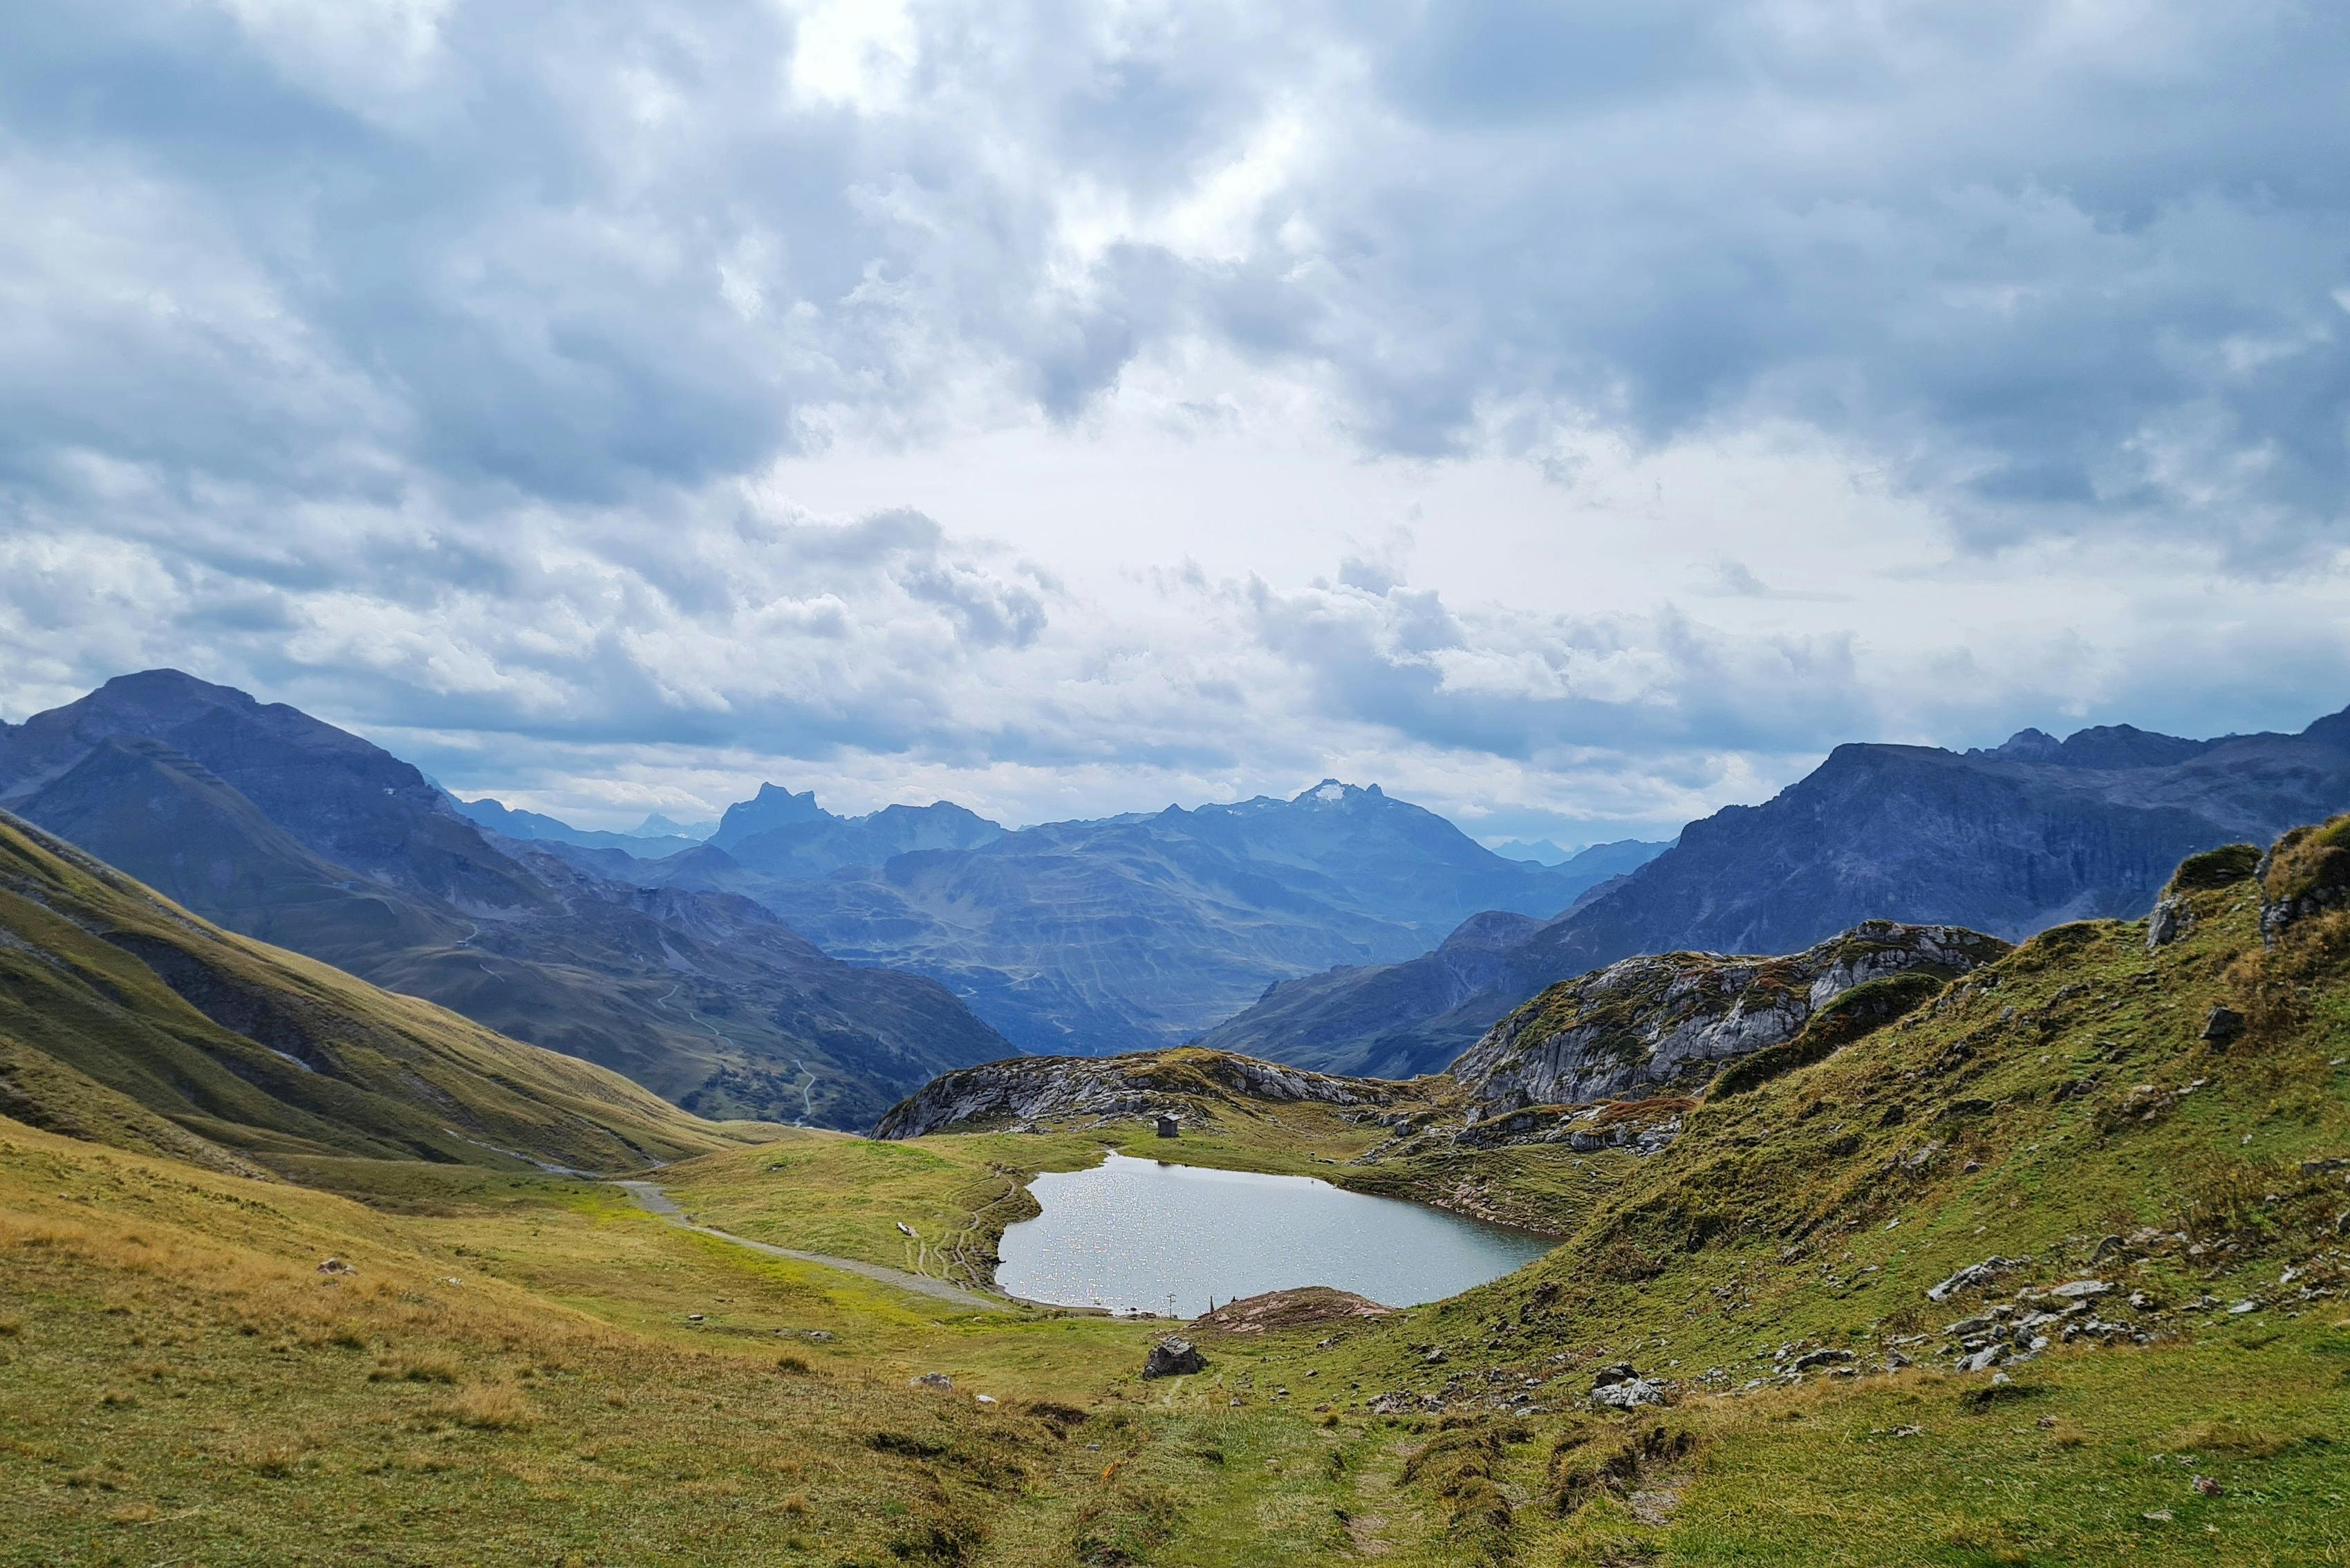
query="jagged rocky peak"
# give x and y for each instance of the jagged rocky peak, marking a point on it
(1187, 1082)
(774, 806)
(1649, 1023)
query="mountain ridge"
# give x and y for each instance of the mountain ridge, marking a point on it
(272, 822)
(2008, 841)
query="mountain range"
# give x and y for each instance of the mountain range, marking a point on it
(2008, 840)
(282, 827)
(1130, 932)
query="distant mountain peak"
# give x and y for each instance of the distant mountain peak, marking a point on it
(1334, 792)
(657, 826)
(2027, 743)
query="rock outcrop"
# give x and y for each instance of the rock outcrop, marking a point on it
(1647, 1024)
(2305, 873)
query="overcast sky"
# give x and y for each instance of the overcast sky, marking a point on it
(1574, 417)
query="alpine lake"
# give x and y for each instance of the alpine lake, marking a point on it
(1140, 1235)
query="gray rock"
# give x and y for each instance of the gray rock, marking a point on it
(2171, 919)
(938, 1382)
(1628, 1393)
(1973, 1276)
(2222, 1024)
(1817, 1359)
(2081, 1290)
(1173, 1358)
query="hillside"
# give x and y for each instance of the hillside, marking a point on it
(282, 827)
(1130, 932)
(127, 1020)
(2008, 841)
(2041, 1264)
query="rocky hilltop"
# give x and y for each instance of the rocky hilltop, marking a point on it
(2010, 840)
(1186, 1083)
(1647, 1024)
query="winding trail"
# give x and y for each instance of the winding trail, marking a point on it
(655, 1202)
(808, 1090)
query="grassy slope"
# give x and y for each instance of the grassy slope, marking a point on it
(2061, 1097)
(124, 1017)
(1766, 1222)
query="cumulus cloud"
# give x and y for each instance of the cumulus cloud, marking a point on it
(439, 364)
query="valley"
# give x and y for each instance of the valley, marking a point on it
(2038, 1259)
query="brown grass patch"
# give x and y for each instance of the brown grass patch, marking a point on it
(487, 1407)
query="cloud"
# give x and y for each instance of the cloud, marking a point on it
(439, 364)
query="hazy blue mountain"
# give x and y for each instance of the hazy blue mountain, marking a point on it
(789, 836)
(1126, 932)
(1540, 851)
(2008, 840)
(656, 825)
(280, 826)
(528, 825)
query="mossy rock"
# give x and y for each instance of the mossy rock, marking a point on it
(2222, 867)
(2309, 863)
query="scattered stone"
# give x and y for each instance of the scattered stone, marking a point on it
(1816, 1358)
(2319, 1166)
(2171, 919)
(1434, 1356)
(1907, 1432)
(2222, 1024)
(938, 1382)
(1972, 1276)
(694, 1317)
(1983, 1360)
(984, 1399)
(1173, 1358)
(2205, 1486)
(2241, 1307)
(2156, 1515)
(335, 1266)
(2081, 1290)
(2105, 1249)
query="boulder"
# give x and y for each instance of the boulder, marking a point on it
(2171, 919)
(938, 1382)
(2222, 1024)
(1173, 1358)
(1621, 1388)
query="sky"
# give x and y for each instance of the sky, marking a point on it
(1573, 417)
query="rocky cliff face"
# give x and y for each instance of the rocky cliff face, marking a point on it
(1187, 1084)
(1647, 1024)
